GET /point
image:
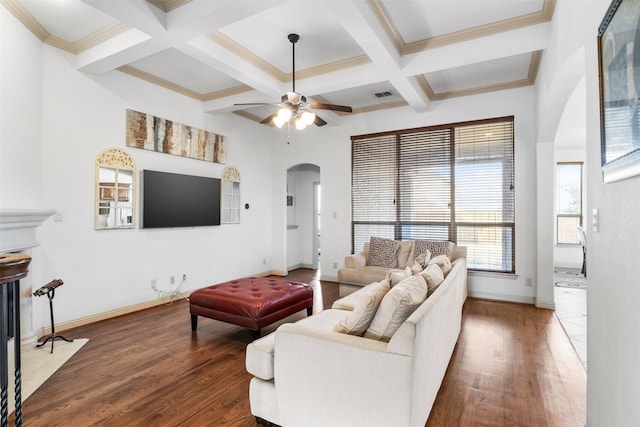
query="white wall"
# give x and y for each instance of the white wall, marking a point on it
(613, 342)
(330, 148)
(613, 345)
(20, 115)
(110, 269)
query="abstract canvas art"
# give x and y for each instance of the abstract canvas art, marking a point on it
(165, 136)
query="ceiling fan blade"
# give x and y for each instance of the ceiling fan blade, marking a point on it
(318, 121)
(332, 107)
(269, 119)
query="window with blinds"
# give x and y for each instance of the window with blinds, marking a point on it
(451, 182)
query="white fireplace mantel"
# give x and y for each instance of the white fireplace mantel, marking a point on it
(18, 234)
(18, 228)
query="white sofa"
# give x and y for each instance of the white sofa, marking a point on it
(306, 374)
(357, 273)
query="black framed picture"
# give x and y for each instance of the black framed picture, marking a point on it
(619, 75)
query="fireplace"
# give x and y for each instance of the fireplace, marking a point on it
(18, 234)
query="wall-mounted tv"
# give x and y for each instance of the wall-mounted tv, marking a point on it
(175, 200)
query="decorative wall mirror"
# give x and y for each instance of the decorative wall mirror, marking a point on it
(230, 195)
(114, 190)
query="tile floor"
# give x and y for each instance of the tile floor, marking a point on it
(571, 309)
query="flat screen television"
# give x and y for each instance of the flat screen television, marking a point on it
(175, 200)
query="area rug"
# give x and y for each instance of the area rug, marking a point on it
(569, 278)
(38, 364)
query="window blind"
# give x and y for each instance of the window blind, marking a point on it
(451, 182)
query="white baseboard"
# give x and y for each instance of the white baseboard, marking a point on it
(110, 314)
(549, 305)
(502, 297)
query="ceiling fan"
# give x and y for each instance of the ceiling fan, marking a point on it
(294, 106)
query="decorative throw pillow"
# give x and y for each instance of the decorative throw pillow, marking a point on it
(383, 252)
(395, 277)
(396, 306)
(358, 320)
(435, 247)
(406, 247)
(433, 276)
(420, 262)
(444, 262)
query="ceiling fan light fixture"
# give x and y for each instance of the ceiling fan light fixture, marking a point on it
(308, 117)
(284, 114)
(278, 121)
(301, 123)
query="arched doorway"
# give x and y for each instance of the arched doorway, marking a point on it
(303, 216)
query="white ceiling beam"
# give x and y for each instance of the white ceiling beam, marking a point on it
(502, 45)
(138, 14)
(363, 25)
(120, 50)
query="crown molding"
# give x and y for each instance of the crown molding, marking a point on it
(378, 107)
(153, 79)
(252, 117)
(331, 67)
(534, 65)
(545, 14)
(85, 43)
(274, 72)
(226, 92)
(247, 55)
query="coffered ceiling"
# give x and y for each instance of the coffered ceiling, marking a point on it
(369, 54)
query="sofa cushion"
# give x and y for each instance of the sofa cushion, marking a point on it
(362, 276)
(259, 353)
(383, 252)
(443, 262)
(357, 321)
(396, 306)
(406, 247)
(420, 262)
(435, 247)
(397, 276)
(433, 276)
(349, 302)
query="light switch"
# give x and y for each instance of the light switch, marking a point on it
(595, 220)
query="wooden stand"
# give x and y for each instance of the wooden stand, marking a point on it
(13, 267)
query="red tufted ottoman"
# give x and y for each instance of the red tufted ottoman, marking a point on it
(254, 302)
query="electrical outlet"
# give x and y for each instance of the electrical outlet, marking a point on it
(528, 281)
(153, 284)
(335, 265)
(264, 261)
(172, 280)
(184, 277)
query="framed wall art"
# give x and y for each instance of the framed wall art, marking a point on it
(619, 75)
(166, 136)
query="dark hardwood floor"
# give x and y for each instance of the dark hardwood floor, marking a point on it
(512, 366)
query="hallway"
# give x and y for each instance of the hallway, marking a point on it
(570, 292)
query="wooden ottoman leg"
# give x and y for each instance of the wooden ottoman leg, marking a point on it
(194, 322)
(309, 311)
